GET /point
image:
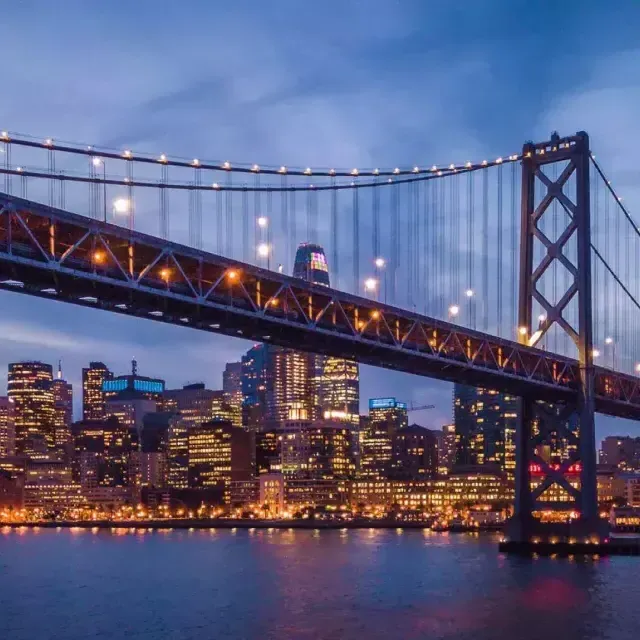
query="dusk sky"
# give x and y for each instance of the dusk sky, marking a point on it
(342, 84)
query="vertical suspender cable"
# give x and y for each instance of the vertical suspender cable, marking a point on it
(500, 266)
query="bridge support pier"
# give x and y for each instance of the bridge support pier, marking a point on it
(546, 484)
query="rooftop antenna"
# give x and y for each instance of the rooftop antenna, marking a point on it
(134, 367)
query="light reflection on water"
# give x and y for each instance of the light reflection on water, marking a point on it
(304, 584)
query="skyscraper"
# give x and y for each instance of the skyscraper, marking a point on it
(63, 411)
(132, 385)
(386, 417)
(93, 401)
(485, 424)
(254, 388)
(7, 427)
(197, 404)
(30, 389)
(232, 388)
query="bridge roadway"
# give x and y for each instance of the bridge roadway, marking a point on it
(56, 254)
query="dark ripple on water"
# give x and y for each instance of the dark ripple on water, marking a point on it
(180, 585)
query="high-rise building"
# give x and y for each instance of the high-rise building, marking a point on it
(93, 377)
(30, 389)
(485, 426)
(178, 455)
(196, 404)
(414, 453)
(102, 453)
(333, 383)
(130, 411)
(219, 453)
(63, 411)
(232, 388)
(133, 385)
(386, 417)
(622, 452)
(447, 450)
(254, 388)
(7, 427)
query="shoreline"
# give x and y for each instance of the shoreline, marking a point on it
(196, 523)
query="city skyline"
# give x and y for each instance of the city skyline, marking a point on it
(266, 117)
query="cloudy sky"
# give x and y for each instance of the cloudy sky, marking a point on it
(336, 83)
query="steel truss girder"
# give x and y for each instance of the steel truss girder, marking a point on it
(95, 264)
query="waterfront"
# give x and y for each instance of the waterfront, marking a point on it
(77, 584)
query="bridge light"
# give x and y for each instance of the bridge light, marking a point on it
(498, 160)
(375, 315)
(4, 135)
(96, 161)
(121, 205)
(370, 284)
(380, 263)
(282, 169)
(127, 153)
(165, 274)
(19, 169)
(396, 171)
(454, 310)
(608, 340)
(522, 331)
(226, 165)
(196, 162)
(280, 268)
(263, 250)
(255, 168)
(215, 185)
(468, 165)
(98, 257)
(416, 169)
(332, 172)
(263, 221)
(469, 293)
(232, 275)
(376, 172)
(637, 367)
(307, 171)
(163, 158)
(595, 353)
(48, 142)
(274, 302)
(354, 172)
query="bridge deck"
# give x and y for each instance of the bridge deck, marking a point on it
(55, 254)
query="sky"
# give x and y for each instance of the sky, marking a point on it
(339, 83)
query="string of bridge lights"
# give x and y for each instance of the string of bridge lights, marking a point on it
(98, 157)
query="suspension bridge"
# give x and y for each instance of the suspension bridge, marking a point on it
(517, 273)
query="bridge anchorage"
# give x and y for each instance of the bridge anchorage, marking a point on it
(430, 294)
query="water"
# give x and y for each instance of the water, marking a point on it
(77, 585)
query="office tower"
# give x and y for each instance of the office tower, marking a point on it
(622, 452)
(414, 453)
(196, 404)
(254, 388)
(447, 450)
(178, 455)
(288, 388)
(268, 452)
(232, 388)
(386, 417)
(7, 427)
(102, 453)
(133, 385)
(93, 377)
(485, 425)
(30, 389)
(130, 411)
(334, 383)
(219, 453)
(63, 411)
(154, 449)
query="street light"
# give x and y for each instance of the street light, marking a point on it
(263, 222)
(454, 310)
(638, 368)
(595, 353)
(469, 293)
(611, 342)
(263, 250)
(380, 263)
(371, 285)
(121, 205)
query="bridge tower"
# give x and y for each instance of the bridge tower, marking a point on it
(538, 419)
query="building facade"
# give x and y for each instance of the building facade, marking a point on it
(232, 390)
(30, 390)
(196, 405)
(7, 427)
(93, 401)
(63, 412)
